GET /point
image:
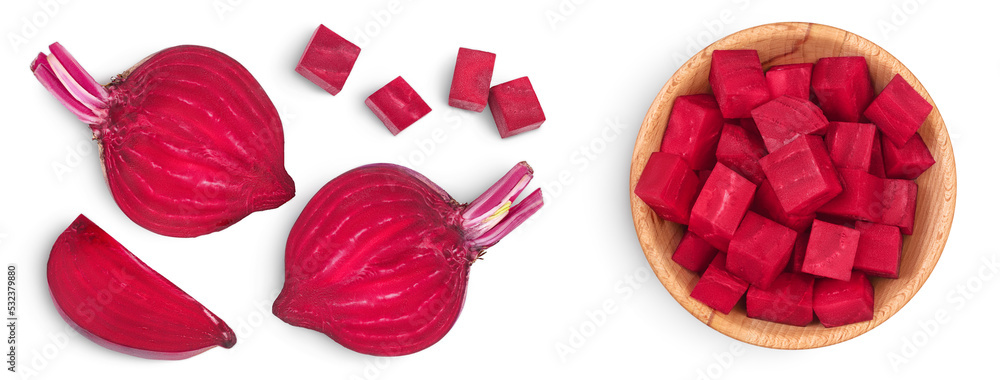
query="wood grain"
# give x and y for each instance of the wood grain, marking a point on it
(777, 44)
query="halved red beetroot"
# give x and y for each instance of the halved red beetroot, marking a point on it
(908, 161)
(877, 166)
(694, 253)
(783, 119)
(790, 80)
(842, 87)
(839, 303)
(693, 130)
(850, 144)
(717, 288)
(668, 186)
(766, 203)
(879, 250)
(720, 206)
(759, 250)
(741, 151)
(738, 82)
(831, 250)
(788, 300)
(802, 175)
(898, 111)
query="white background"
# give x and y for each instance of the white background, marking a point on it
(596, 66)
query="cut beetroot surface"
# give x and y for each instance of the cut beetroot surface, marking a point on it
(802, 175)
(877, 167)
(719, 289)
(789, 80)
(397, 105)
(908, 161)
(720, 206)
(842, 87)
(759, 250)
(899, 204)
(783, 119)
(741, 151)
(862, 197)
(879, 250)
(694, 253)
(850, 144)
(515, 107)
(328, 60)
(738, 82)
(788, 300)
(693, 130)
(898, 111)
(839, 303)
(668, 186)
(766, 203)
(470, 84)
(798, 253)
(831, 250)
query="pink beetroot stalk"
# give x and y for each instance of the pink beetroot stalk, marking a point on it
(63, 76)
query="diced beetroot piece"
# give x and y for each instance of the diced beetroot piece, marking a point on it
(788, 300)
(798, 253)
(802, 175)
(877, 167)
(694, 253)
(899, 204)
(717, 288)
(839, 303)
(842, 87)
(783, 119)
(791, 80)
(470, 85)
(515, 107)
(328, 60)
(759, 250)
(737, 80)
(879, 250)
(850, 144)
(720, 206)
(741, 151)
(702, 178)
(397, 105)
(898, 111)
(668, 186)
(766, 203)
(908, 161)
(831, 251)
(693, 130)
(861, 199)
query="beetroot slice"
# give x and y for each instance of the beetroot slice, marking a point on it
(759, 250)
(908, 161)
(397, 105)
(328, 60)
(693, 130)
(879, 250)
(766, 203)
(720, 206)
(470, 84)
(789, 80)
(839, 303)
(717, 288)
(850, 144)
(898, 111)
(802, 175)
(737, 80)
(741, 151)
(788, 300)
(694, 253)
(831, 250)
(783, 119)
(842, 87)
(515, 107)
(668, 186)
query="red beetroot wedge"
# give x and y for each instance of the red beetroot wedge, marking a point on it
(839, 303)
(741, 151)
(789, 80)
(850, 144)
(397, 105)
(908, 161)
(831, 250)
(737, 80)
(693, 130)
(788, 300)
(759, 250)
(719, 289)
(802, 175)
(694, 253)
(783, 119)
(898, 111)
(766, 203)
(668, 186)
(120, 303)
(470, 85)
(328, 60)
(879, 250)
(842, 87)
(720, 206)
(515, 107)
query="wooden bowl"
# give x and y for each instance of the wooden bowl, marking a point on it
(777, 44)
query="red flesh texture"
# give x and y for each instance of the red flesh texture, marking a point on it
(831, 250)
(861, 198)
(839, 303)
(328, 60)
(148, 316)
(850, 144)
(898, 111)
(720, 206)
(737, 80)
(783, 119)
(788, 300)
(694, 253)
(798, 253)
(802, 175)
(791, 80)
(766, 203)
(693, 130)
(908, 161)
(879, 250)
(759, 250)
(899, 204)
(379, 259)
(877, 167)
(470, 85)
(397, 105)
(668, 186)
(842, 87)
(515, 107)
(741, 151)
(717, 288)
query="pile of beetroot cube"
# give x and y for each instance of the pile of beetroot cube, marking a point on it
(796, 185)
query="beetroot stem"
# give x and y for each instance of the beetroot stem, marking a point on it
(65, 79)
(493, 215)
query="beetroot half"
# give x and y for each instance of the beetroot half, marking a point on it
(379, 259)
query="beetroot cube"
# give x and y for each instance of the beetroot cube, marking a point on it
(850, 144)
(839, 303)
(842, 87)
(397, 105)
(694, 253)
(470, 85)
(717, 288)
(790, 80)
(798, 253)
(907, 161)
(898, 111)
(789, 300)
(877, 167)
(899, 204)
(668, 186)
(515, 107)
(693, 130)
(879, 250)
(328, 60)
(741, 151)
(831, 250)
(783, 119)
(737, 80)
(861, 198)
(802, 175)
(760, 250)
(766, 203)
(720, 206)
